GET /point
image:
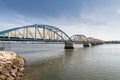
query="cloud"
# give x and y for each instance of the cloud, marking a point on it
(118, 11)
(103, 24)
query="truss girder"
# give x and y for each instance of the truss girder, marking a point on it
(36, 31)
(79, 38)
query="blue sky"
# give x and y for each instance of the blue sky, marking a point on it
(96, 18)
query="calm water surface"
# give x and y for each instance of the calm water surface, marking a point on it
(52, 62)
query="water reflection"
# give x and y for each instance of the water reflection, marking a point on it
(68, 55)
(52, 69)
(45, 70)
(93, 63)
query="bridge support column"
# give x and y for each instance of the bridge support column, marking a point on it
(86, 45)
(68, 45)
(93, 44)
(97, 43)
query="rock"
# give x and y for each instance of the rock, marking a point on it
(12, 66)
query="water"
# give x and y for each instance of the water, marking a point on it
(52, 62)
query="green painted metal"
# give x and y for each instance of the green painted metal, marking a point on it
(51, 28)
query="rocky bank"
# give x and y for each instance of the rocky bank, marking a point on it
(12, 66)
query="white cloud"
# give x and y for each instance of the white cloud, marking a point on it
(118, 11)
(102, 24)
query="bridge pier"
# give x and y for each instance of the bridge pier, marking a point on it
(98, 43)
(68, 45)
(86, 45)
(93, 44)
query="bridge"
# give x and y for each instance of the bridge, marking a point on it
(94, 41)
(80, 38)
(86, 41)
(44, 33)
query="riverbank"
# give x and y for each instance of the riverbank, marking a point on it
(12, 66)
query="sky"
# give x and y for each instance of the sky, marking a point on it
(93, 18)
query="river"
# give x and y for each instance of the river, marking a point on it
(52, 62)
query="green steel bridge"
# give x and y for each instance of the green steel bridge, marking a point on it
(35, 32)
(44, 33)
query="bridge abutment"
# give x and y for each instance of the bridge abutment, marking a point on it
(68, 45)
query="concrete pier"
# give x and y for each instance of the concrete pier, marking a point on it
(68, 45)
(86, 44)
(93, 44)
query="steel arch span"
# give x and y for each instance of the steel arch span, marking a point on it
(94, 41)
(36, 32)
(80, 38)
